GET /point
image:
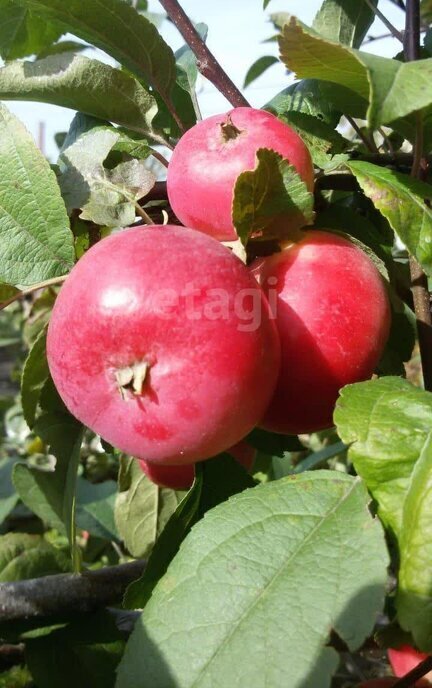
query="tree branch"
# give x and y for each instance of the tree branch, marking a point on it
(393, 30)
(419, 282)
(66, 594)
(207, 63)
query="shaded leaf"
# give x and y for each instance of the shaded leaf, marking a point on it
(120, 31)
(258, 68)
(34, 375)
(63, 47)
(239, 579)
(23, 32)
(272, 200)
(95, 508)
(25, 556)
(401, 200)
(35, 240)
(344, 21)
(216, 480)
(142, 508)
(82, 84)
(393, 89)
(8, 495)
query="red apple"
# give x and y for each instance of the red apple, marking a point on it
(333, 317)
(210, 156)
(182, 477)
(162, 342)
(405, 658)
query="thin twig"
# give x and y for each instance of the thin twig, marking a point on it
(64, 594)
(415, 674)
(35, 287)
(142, 213)
(368, 141)
(207, 63)
(419, 282)
(393, 30)
(161, 158)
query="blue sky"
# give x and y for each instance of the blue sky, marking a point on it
(236, 32)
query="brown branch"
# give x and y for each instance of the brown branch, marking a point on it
(393, 30)
(415, 674)
(419, 282)
(207, 63)
(368, 141)
(66, 594)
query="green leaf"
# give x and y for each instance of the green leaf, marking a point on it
(401, 200)
(274, 444)
(271, 200)
(95, 508)
(258, 68)
(120, 31)
(344, 21)
(414, 598)
(106, 197)
(63, 47)
(34, 375)
(24, 33)
(237, 603)
(35, 240)
(8, 495)
(142, 508)
(187, 61)
(216, 480)
(82, 84)
(387, 422)
(51, 494)
(25, 556)
(80, 654)
(7, 292)
(394, 89)
(426, 11)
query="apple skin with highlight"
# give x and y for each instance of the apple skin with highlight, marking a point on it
(140, 355)
(404, 659)
(211, 155)
(182, 477)
(333, 317)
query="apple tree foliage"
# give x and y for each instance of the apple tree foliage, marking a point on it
(275, 579)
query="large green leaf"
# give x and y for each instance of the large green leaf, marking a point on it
(216, 480)
(117, 28)
(401, 199)
(387, 422)
(106, 197)
(414, 600)
(258, 585)
(34, 375)
(51, 494)
(82, 84)
(95, 508)
(142, 508)
(271, 200)
(25, 556)
(344, 21)
(23, 32)
(394, 89)
(35, 240)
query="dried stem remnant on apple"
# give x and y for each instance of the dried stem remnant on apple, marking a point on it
(132, 378)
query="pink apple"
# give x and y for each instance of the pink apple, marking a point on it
(211, 155)
(333, 318)
(162, 342)
(182, 477)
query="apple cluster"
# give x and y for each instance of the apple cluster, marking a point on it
(164, 343)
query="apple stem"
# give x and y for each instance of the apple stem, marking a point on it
(206, 61)
(415, 674)
(419, 282)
